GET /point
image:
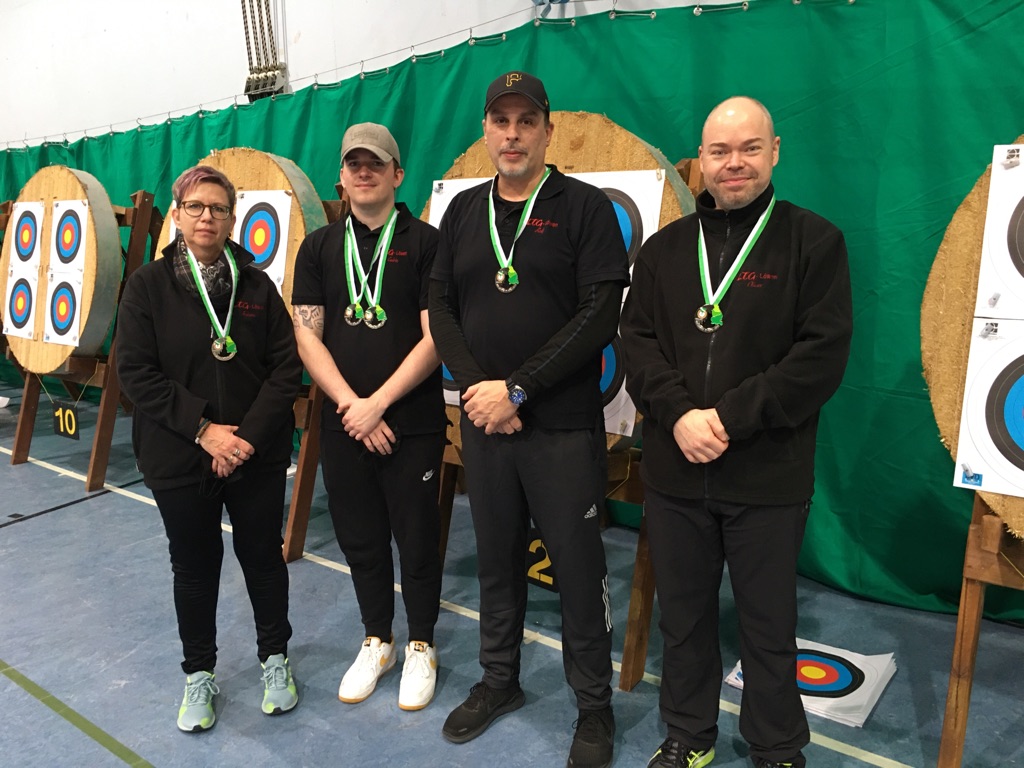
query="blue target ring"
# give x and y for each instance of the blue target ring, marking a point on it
(63, 308)
(613, 371)
(1004, 412)
(25, 233)
(261, 236)
(447, 380)
(826, 675)
(19, 310)
(630, 224)
(69, 236)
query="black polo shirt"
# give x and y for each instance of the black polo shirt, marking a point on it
(571, 240)
(367, 357)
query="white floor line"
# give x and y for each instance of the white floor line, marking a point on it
(529, 635)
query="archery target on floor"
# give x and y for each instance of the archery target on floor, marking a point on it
(1001, 272)
(70, 229)
(826, 675)
(62, 310)
(261, 227)
(990, 449)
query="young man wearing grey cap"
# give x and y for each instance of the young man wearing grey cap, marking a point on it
(360, 314)
(524, 295)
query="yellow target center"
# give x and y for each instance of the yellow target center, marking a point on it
(26, 236)
(19, 303)
(259, 237)
(814, 673)
(62, 307)
(67, 237)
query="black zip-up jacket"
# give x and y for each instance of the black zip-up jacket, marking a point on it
(168, 372)
(779, 356)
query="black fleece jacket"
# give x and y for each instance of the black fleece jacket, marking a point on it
(779, 356)
(168, 372)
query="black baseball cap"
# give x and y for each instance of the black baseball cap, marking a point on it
(519, 82)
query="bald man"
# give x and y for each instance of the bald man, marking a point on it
(736, 332)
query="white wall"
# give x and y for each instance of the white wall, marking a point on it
(94, 65)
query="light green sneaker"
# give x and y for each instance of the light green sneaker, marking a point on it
(279, 695)
(196, 713)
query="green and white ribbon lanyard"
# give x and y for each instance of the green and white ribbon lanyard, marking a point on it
(223, 347)
(374, 316)
(507, 278)
(708, 318)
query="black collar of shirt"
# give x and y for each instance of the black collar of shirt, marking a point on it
(717, 221)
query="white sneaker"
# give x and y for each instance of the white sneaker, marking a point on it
(375, 658)
(418, 676)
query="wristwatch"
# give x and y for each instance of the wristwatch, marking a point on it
(516, 394)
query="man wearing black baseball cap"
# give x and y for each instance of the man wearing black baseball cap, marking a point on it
(524, 296)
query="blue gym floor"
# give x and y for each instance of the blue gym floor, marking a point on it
(89, 651)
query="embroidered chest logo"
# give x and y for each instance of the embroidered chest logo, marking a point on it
(754, 279)
(249, 309)
(540, 226)
(394, 255)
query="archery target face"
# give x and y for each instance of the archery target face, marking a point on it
(63, 317)
(1001, 272)
(991, 442)
(19, 311)
(630, 223)
(451, 389)
(613, 374)
(26, 235)
(70, 228)
(826, 675)
(261, 227)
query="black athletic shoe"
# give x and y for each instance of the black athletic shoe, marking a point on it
(483, 707)
(594, 740)
(797, 761)
(672, 754)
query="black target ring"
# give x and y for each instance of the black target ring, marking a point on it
(1015, 237)
(1004, 412)
(630, 223)
(613, 372)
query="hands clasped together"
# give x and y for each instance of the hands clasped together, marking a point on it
(700, 435)
(363, 419)
(229, 452)
(488, 406)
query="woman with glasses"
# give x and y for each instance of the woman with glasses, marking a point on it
(206, 353)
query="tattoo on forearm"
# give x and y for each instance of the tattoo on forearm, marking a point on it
(309, 316)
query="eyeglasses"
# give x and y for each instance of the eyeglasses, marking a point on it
(195, 209)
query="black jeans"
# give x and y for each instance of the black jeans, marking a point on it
(192, 515)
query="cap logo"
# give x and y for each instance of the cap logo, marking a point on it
(514, 77)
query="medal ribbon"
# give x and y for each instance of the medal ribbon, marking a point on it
(505, 262)
(713, 298)
(354, 265)
(223, 331)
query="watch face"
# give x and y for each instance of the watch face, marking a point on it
(517, 396)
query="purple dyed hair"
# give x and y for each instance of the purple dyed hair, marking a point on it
(202, 174)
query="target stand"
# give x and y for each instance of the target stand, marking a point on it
(994, 552)
(66, 246)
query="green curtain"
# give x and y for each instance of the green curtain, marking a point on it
(887, 113)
